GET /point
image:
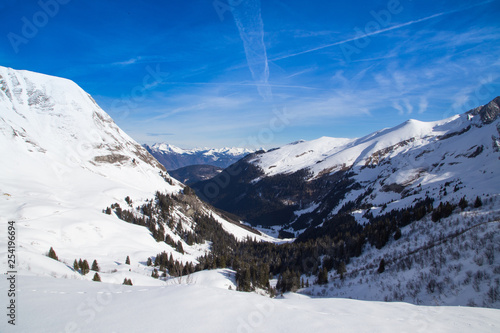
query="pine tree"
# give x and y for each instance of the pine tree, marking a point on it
(96, 277)
(75, 266)
(179, 247)
(52, 254)
(85, 267)
(127, 282)
(341, 270)
(149, 262)
(127, 261)
(155, 274)
(397, 234)
(478, 203)
(95, 266)
(381, 266)
(463, 203)
(323, 276)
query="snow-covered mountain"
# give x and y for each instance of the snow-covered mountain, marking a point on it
(173, 157)
(305, 183)
(64, 161)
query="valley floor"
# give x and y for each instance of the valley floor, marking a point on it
(47, 304)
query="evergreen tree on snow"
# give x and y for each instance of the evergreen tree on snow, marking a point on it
(381, 266)
(323, 276)
(95, 266)
(85, 267)
(52, 254)
(96, 277)
(76, 267)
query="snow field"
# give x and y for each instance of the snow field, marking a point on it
(62, 305)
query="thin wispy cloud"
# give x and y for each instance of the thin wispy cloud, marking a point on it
(398, 107)
(248, 19)
(423, 105)
(242, 84)
(408, 106)
(160, 134)
(380, 31)
(308, 70)
(140, 60)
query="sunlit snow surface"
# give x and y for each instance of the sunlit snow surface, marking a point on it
(63, 305)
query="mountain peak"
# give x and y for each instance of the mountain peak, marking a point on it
(52, 119)
(489, 112)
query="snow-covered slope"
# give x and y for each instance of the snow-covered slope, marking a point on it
(51, 305)
(451, 262)
(64, 160)
(173, 157)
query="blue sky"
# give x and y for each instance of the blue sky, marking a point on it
(261, 73)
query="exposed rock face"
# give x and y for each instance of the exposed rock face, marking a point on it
(489, 112)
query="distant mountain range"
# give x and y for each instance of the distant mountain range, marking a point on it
(172, 157)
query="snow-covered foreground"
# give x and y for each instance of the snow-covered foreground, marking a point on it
(52, 305)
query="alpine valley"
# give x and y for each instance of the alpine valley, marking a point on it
(102, 238)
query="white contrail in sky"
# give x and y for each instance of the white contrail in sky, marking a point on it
(249, 22)
(402, 25)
